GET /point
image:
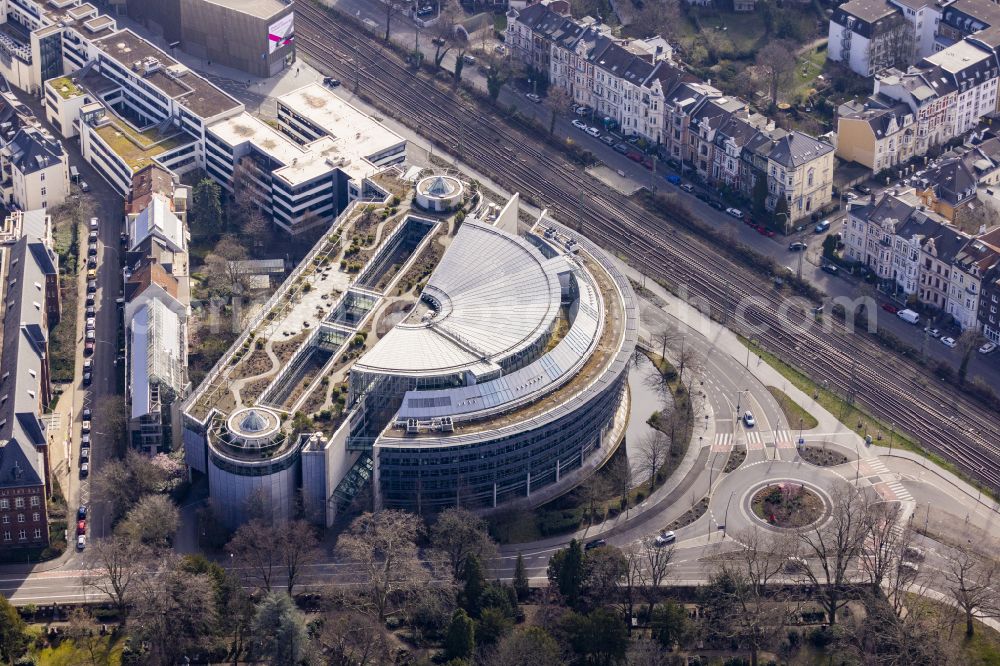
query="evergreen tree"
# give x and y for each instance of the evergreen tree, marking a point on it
(206, 208)
(475, 584)
(669, 623)
(13, 636)
(461, 640)
(520, 579)
(566, 571)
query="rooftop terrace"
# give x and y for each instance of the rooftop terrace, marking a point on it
(137, 148)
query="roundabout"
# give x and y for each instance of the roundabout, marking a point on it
(777, 495)
(787, 505)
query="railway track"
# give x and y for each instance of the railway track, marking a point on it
(894, 390)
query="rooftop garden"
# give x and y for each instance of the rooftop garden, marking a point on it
(65, 87)
(136, 148)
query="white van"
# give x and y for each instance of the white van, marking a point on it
(909, 316)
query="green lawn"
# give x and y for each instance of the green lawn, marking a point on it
(808, 66)
(792, 410)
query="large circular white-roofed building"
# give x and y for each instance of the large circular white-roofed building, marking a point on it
(507, 380)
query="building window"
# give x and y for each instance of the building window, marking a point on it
(42, 178)
(5, 503)
(20, 517)
(43, 191)
(38, 533)
(22, 535)
(6, 520)
(19, 502)
(34, 501)
(6, 535)
(35, 517)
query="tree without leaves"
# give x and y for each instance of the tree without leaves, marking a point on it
(603, 570)
(592, 491)
(263, 551)
(968, 342)
(348, 638)
(654, 448)
(970, 579)
(525, 646)
(657, 560)
(110, 417)
(497, 75)
(444, 34)
(884, 637)
(153, 521)
(634, 578)
(558, 100)
(120, 484)
(743, 583)
(174, 613)
(775, 63)
(886, 543)
(458, 533)
(86, 639)
(116, 564)
(836, 546)
(384, 544)
(392, 8)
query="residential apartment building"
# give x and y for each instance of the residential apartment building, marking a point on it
(30, 293)
(930, 97)
(973, 261)
(875, 134)
(870, 35)
(34, 170)
(973, 73)
(157, 304)
(624, 80)
(988, 313)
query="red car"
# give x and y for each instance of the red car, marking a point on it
(891, 309)
(648, 163)
(81, 527)
(88, 347)
(761, 229)
(635, 156)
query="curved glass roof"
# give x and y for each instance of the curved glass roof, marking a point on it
(492, 295)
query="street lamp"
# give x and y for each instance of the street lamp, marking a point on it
(739, 397)
(725, 520)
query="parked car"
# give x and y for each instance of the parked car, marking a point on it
(909, 316)
(594, 132)
(735, 212)
(596, 543)
(81, 542)
(933, 332)
(579, 124)
(988, 348)
(87, 377)
(84, 454)
(92, 250)
(91, 285)
(913, 553)
(81, 513)
(674, 179)
(85, 426)
(717, 205)
(831, 269)
(85, 413)
(91, 311)
(90, 299)
(890, 308)
(621, 147)
(797, 246)
(823, 226)
(796, 564)
(84, 187)
(687, 187)
(863, 189)
(84, 470)
(582, 110)
(81, 527)
(92, 236)
(92, 273)
(748, 419)
(634, 155)
(948, 342)
(88, 347)
(531, 96)
(91, 335)
(608, 139)
(663, 538)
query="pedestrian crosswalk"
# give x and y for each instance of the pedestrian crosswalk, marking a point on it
(755, 440)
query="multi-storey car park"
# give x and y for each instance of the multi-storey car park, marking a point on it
(441, 363)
